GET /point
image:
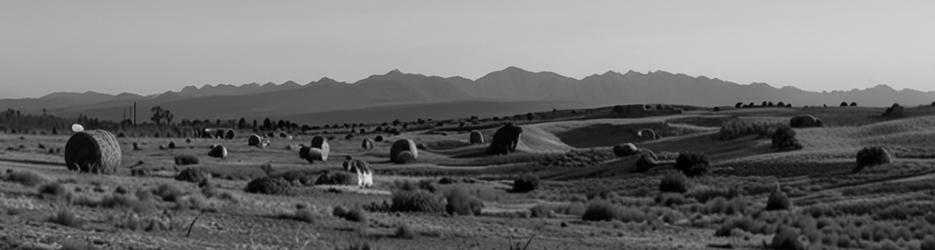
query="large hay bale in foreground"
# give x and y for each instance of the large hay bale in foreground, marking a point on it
(805, 121)
(254, 140)
(505, 140)
(218, 151)
(229, 135)
(626, 149)
(400, 146)
(367, 144)
(476, 137)
(93, 151)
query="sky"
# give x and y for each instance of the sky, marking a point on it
(150, 47)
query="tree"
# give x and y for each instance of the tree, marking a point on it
(267, 124)
(158, 115)
(738, 105)
(242, 123)
(843, 104)
(853, 104)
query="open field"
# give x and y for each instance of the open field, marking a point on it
(586, 197)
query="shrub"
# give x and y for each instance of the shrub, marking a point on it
(784, 139)
(704, 194)
(67, 218)
(525, 183)
(54, 191)
(737, 128)
(416, 201)
(460, 202)
(25, 178)
(269, 185)
(335, 178)
(541, 211)
(744, 223)
(183, 160)
(778, 201)
(404, 231)
(195, 175)
(676, 183)
(787, 238)
(692, 164)
(604, 211)
(894, 111)
(872, 156)
(168, 192)
(424, 184)
(355, 214)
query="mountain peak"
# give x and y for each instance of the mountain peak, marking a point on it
(394, 72)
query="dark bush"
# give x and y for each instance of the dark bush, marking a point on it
(600, 210)
(183, 160)
(269, 185)
(171, 145)
(787, 238)
(300, 214)
(26, 178)
(737, 128)
(675, 183)
(195, 175)
(355, 214)
(692, 164)
(404, 231)
(525, 183)
(416, 201)
(335, 178)
(460, 202)
(379, 138)
(894, 111)
(54, 191)
(168, 192)
(778, 201)
(784, 139)
(872, 156)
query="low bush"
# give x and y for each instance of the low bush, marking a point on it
(25, 178)
(737, 128)
(600, 210)
(778, 201)
(692, 164)
(354, 214)
(525, 183)
(183, 160)
(300, 214)
(460, 202)
(894, 111)
(784, 139)
(805, 121)
(335, 178)
(416, 201)
(872, 156)
(195, 175)
(168, 192)
(404, 231)
(787, 238)
(424, 184)
(55, 191)
(675, 183)
(704, 194)
(269, 185)
(542, 211)
(66, 217)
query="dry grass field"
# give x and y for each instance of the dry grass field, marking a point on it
(564, 188)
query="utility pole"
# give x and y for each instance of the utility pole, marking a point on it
(134, 113)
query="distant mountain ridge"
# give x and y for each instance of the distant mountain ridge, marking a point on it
(396, 88)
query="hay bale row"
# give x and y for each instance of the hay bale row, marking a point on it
(93, 151)
(403, 151)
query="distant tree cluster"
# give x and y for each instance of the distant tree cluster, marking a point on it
(845, 104)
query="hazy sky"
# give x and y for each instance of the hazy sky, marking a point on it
(152, 46)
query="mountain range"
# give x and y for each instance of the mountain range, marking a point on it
(409, 96)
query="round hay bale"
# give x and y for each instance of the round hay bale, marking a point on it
(403, 145)
(379, 138)
(93, 151)
(316, 154)
(318, 141)
(805, 121)
(404, 157)
(647, 134)
(194, 175)
(367, 144)
(283, 135)
(183, 160)
(476, 137)
(218, 151)
(171, 145)
(219, 134)
(229, 135)
(303, 152)
(626, 149)
(505, 140)
(254, 140)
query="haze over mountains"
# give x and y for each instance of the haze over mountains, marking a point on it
(398, 95)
